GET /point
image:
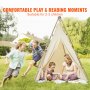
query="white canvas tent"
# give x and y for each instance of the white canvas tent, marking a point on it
(59, 45)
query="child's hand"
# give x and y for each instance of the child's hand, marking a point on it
(6, 61)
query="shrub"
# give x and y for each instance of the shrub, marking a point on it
(0, 57)
(83, 51)
(27, 40)
(84, 56)
(43, 45)
(4, 50)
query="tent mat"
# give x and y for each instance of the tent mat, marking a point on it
(61, 81)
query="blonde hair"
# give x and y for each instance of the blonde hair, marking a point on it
(19, 44)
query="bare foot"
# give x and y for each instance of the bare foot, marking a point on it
(24, 75)
(36, 66)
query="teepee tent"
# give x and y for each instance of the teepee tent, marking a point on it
(58, 47)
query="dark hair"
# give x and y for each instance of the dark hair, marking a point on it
(69, 58)
(51, 64)
(19, 44)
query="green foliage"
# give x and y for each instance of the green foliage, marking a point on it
(78, 32)
(4, 50)
(7, 21)
(44, 44)
(46, 40)
(27, 40)
(84, 55)
(0, 57)
(83, 51)
(85, 39)
(73, 29)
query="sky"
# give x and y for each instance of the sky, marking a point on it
(41, 26)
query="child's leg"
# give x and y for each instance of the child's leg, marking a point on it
(64, 77)
(56, 77)
(59, 76)
(10, 77)
(8, 74)
(35, 64)
(16, 72)
(72, 77)
(3, 81)
(36, 59)
(29, 67)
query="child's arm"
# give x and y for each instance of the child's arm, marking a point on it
(63, 67)
(6, 60)
(10, 54)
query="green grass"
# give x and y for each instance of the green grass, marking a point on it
(28, 83)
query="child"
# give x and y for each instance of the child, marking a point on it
(37, 54)
(16, 62)
(70, 68)
(49, 73)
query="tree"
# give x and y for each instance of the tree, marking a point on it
(73, 30)
(85, 38)
(79, 33)
(7, 22)
(26, 40)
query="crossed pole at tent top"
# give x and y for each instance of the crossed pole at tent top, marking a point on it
(59, 18)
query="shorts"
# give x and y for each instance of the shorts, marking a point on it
(36, 58)
(12, 72)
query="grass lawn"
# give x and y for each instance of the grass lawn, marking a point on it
(28, 83)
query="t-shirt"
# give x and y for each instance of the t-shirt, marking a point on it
(69, 68)
(37, 51)
(16, 58)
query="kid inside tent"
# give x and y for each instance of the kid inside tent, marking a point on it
(58, 47)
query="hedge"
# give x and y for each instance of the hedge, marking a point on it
(4, 50)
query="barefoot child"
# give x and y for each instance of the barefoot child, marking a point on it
(49, 73)
(37, 54)
(16, 62)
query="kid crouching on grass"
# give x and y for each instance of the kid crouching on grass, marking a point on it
(49, 74)
(16, 62)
